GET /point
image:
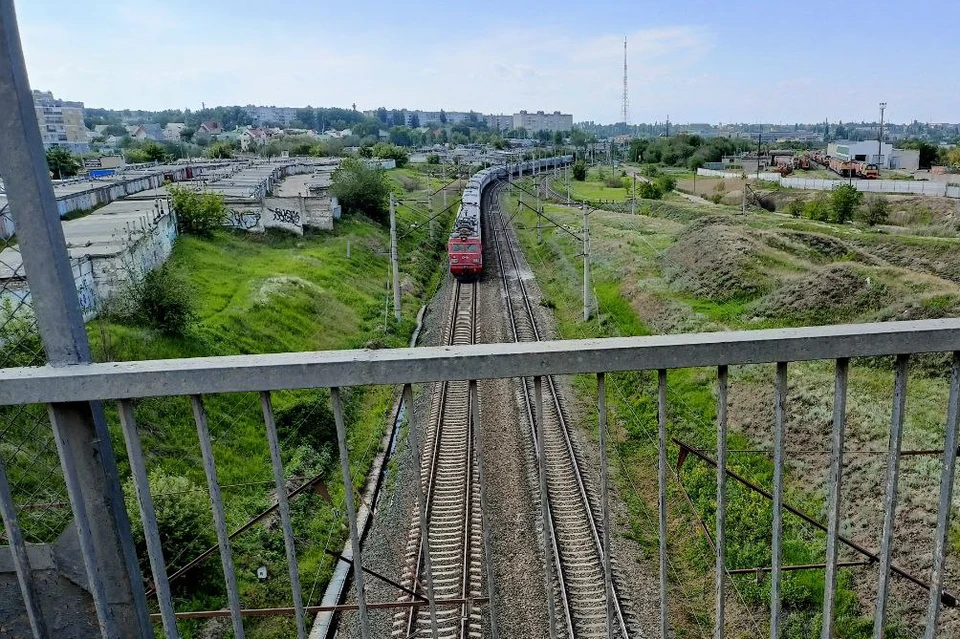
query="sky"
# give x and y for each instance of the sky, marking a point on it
(689, 60)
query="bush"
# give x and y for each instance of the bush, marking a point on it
(614, 182)
(844, 200)
(666, 183)
(649, 191)
(183, 518)
(391, 152)
(433, 158)
(220, 150)
(818, 208)
(795, 207)
(165, 302)
(877, 210)
(579, 171)
(649, 170)
(19, 335)
(361, 188)
(197, 214)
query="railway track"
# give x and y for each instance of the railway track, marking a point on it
(572, 505)
(449, 477)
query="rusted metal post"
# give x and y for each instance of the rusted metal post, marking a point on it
(890, 497)
(414, 435)
(777, 536)
(351, 511)
(484, 505)
(548, 558)
(662, 498)
(148, 515)
(219, 516)
(721, 515)
(946, 501)
(284, 507)
(605, 503)
(835, 482)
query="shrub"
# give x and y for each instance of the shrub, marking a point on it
(197, 213)
(614, 182)
(164, 301)
(649, 170)
(391, 152)
(666, 183)
(878, 210)
(183, 517)
(433, 158)
(579, 171)
(795, 207)
(220, 150)
(649, 191)
(19, 335)
(361, 188)
(818, 208)
(844, 199)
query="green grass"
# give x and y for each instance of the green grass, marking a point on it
(261, 294)
(626, 257)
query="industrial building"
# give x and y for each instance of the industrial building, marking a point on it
(866, 151)
(61, 122)
(271, 115)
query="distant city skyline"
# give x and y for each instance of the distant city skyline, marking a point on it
(694, 60)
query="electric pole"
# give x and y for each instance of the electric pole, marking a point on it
(393, 258)
(586, 264)
(567, 173)
(633, 203)
(883, 107)
(539, 215)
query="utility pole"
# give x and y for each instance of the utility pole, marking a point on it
(539, 215)
(883, 107)
(759, 140)
(430, 212)
(393, 258)
(633, 203)
(586, 264)
(567, 172)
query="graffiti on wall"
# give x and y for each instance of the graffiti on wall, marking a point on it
(245, 220)
(286, 216)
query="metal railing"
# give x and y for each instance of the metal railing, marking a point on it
(127, 382)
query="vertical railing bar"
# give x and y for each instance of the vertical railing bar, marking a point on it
(662, 497)
(605, 502)
(946, 501)
(351, 511)
(219, 517)
(484, 515)
(87, 547)
(148, 515)
(835, 484)
(721, 514)
(414, 437)
(283, 506)
(890, 497)
(21, 561)
(539, 444)
(777, 533)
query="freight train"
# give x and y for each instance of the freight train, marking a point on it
(465, 246)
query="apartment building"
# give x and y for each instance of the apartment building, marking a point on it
(61, 122)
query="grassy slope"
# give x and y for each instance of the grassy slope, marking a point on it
(634, 299)
(274, 293)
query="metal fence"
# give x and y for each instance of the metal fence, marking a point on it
(200, 379)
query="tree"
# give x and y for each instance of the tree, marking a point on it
(844, 199)
(400, 135)
(61, 162)
(877, 210)
(397, 118)
(953, 157)
(361, 188)
(666, 183)
(579, 171)
(153, 151)
(220, 150)
(197, 214)
(443, 116)
(415, 121)
(558, 138)
(391, 152)
(928, 151)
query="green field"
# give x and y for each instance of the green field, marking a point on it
(262, 294)
(684, 268)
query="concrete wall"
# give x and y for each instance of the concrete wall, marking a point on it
(736, 175)
(932, 189)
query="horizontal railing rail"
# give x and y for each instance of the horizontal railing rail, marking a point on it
(200, 378)
(329, 369)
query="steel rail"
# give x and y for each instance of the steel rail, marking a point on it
(564, 426)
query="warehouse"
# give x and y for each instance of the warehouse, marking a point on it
(866, 151)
